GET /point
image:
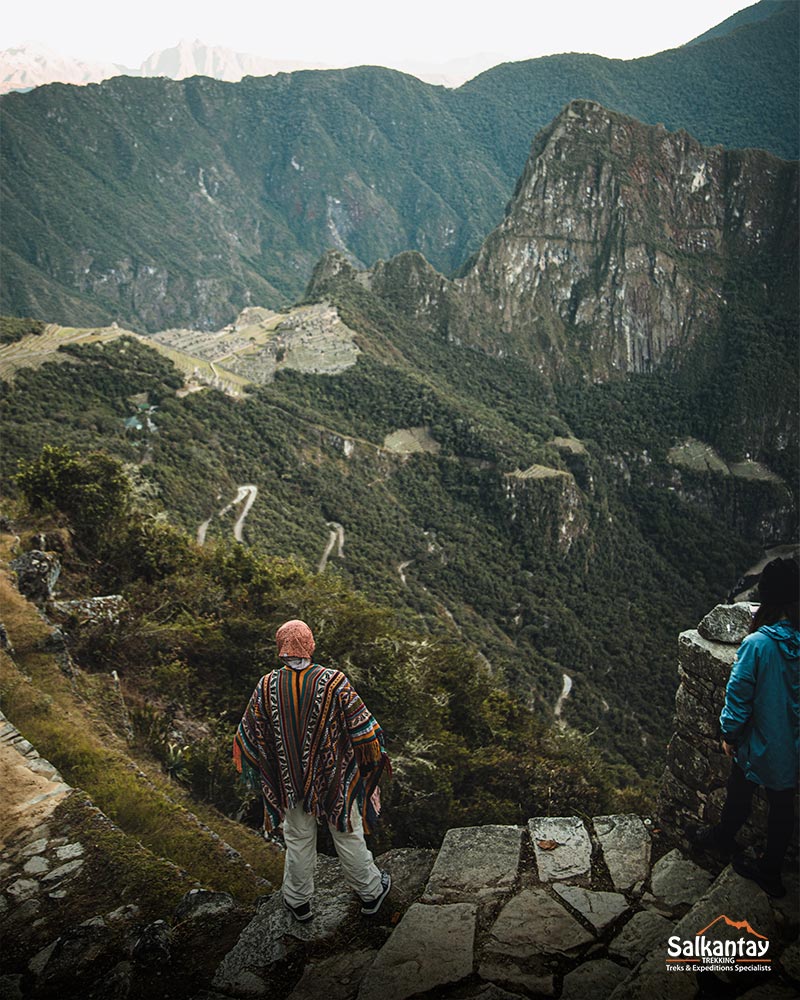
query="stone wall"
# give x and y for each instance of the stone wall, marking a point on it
(693, 786)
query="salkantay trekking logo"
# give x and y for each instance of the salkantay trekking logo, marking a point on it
(704, 953)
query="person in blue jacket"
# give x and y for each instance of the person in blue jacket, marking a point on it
(760, 729)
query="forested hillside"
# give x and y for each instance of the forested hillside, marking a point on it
(158, 203)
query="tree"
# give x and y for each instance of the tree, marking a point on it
(91, 490)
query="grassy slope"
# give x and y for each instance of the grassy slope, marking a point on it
(74, 723)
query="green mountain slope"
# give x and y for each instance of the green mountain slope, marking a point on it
(159, 203)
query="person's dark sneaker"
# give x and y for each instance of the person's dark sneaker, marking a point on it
(301, 913)
(373, 905)
(771, 884)
(707, 838)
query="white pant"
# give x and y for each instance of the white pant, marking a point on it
(300, 835)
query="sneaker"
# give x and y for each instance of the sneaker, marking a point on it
(706, 838)
(301, 913)
(373, 905)
(771, 884)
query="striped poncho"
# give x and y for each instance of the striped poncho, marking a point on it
(308, 739)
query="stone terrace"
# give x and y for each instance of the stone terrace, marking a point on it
(559, 908)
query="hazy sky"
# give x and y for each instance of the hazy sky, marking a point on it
(350, 32)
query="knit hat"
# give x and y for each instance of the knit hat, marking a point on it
(295, 638)
(779, 583)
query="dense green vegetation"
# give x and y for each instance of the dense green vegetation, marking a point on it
(164, 203)
(450, 540)
(197, 632)
(13, 329)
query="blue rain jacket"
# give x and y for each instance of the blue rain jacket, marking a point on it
(761, 716)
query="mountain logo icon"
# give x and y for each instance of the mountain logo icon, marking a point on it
(739, 925)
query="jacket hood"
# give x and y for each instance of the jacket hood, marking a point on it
(787, 638)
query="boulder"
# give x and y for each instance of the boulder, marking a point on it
(154, 945)
(728, 623)
(37, 574)
(245, 970)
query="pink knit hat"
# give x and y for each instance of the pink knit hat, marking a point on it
(295, 638)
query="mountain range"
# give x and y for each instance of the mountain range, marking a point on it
(594, 419)
(158, 203)
(32, 64)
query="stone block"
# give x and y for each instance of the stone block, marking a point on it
(431, 947)
(727, 623)
(598, 908)
(69, 852)
(63, 871)
(593, 980)
(677, 881)
(696, 717)
(538, 983)
(651, 980)
(533, 923)
(625, 842)
(334, 978)
(202, 903)
(572, 855)
(37, 865)
(711, 662)
(643, 933)
(475, 862)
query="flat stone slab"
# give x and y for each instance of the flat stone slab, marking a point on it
(625, 842)
(572, 854)
(69, 851)
(643, 933)
(532, 923)
(334, 978)
(593, 980)
(475, 862)
(677, 881)
(599, 908)
(503, 971)
(430, 947)
(35, 847)
(37, 865)
(63, 871)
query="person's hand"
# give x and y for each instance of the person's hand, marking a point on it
(728, 749)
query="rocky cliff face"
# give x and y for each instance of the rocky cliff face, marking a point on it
(615, 249)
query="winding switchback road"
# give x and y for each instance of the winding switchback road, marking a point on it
(247, 493)
(337, 532)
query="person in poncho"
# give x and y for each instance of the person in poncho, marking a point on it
(309, 743)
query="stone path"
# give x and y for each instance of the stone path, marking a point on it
(564, 907)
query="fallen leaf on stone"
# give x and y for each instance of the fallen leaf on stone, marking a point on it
(547, 845)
